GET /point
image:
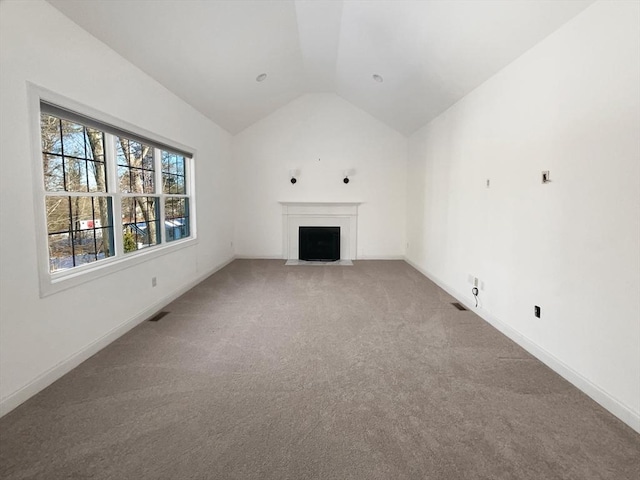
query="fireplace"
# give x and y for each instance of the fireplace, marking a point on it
(319, 244)
(318, 214)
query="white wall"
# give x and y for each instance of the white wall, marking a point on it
(321, 135)
(570, 105)
(42, 338)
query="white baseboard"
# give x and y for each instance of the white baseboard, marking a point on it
(45, 379)
(280, 257)
(620, 410)
(259, 257)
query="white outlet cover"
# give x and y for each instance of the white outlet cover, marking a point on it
(546, 178)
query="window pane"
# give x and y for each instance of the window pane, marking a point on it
(104, 237)
(50, 134)
(75, 172)
(95, 144)
(81, 211)
(124, 179)
(140, 222)
(173, 183)
(102, 212)
(73, 140)
(176, 222)
(147, 160)
(58, 214)
(84, 249)
(173, 174)
(53, 173)
(60, 252)
(166, 162)
(180, 187)
(135, 154)
(96, 176)
(168, 182)
(148, 181)
(136, 170)
(122, 151)
(80, 230)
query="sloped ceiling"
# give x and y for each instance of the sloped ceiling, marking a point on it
(430, 53)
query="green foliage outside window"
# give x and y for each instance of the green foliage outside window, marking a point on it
(130, 244)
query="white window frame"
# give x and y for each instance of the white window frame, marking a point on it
(53, 282)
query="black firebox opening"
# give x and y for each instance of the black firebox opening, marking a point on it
(319, 244)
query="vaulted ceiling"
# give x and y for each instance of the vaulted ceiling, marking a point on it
(429, 53)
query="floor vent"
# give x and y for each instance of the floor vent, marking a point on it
(459, 306)
(158, 316)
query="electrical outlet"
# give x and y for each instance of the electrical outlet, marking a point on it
(545, 176)
(536, 311)
(488, 183)
(476, 281)
(154, 281)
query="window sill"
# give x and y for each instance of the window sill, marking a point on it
(51, 284)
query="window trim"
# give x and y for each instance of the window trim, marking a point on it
(51, 283)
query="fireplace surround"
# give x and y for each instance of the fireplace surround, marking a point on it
(320, 214)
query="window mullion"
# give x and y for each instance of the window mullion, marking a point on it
(157, 160)
(113, 189)
(62, 193)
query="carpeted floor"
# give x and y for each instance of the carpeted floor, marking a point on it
(271, 372)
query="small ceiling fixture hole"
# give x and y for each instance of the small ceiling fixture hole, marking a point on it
(261, 77)
(378, 78)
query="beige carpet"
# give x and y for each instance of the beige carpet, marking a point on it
(271, 372)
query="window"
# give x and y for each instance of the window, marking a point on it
(136, 180)
(78, 208)
(176, 206)
(109, 194)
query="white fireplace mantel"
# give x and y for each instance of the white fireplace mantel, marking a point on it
(320, 214)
